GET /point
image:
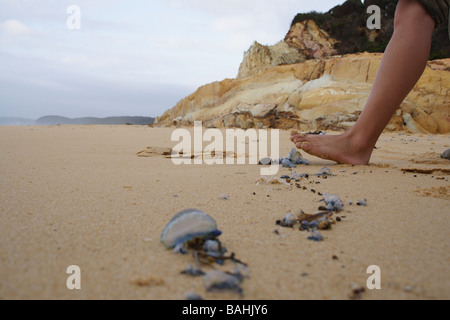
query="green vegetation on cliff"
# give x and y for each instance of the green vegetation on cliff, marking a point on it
(348, 24)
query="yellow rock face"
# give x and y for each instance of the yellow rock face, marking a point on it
(316, 94)
(309, 38)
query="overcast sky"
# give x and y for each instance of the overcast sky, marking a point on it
(129, 57)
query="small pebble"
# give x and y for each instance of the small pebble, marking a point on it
(295, 156)
(288, 221)
(324, 172)
(287, 164)
(305, 225)
(211, 246)
(265, 161)
(217, 280)
(224, 196)
(193, 296)
(297, 177)
(192, 271)
(315, 236)
(303, 161)
(333, 203)
(446, 154)
(362, 203)
(357, 292)
(180, 249)
(313, 224)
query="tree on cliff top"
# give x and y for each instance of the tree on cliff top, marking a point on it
(347, 23)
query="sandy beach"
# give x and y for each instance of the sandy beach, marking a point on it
(81, 195)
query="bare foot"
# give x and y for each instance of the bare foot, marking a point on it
(343, 149)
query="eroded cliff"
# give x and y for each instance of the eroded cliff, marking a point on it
(319, 94)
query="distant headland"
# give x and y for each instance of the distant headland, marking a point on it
(59, 120)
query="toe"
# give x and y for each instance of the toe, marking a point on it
(306, 146)
(302, 145)
(299, 138)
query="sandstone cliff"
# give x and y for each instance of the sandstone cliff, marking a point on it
(305, 40)
(308, 38)
(318, 94)
(260, 58)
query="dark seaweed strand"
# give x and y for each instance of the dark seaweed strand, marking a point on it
(231, 257)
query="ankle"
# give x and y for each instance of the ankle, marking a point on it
(358, 142)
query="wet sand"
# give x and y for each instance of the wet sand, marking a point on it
(81, 195)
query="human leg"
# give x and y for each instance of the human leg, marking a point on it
(402, 65)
